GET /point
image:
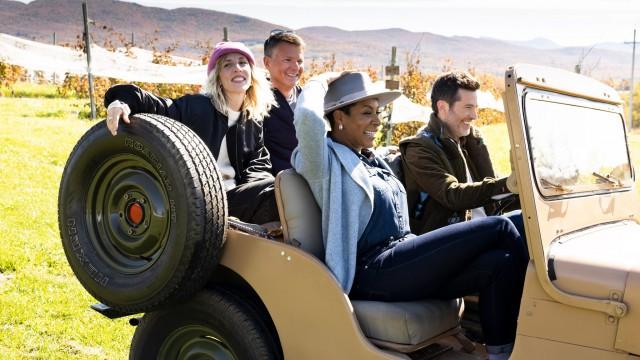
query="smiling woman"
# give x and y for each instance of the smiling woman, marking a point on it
(357, 124)
(235, 77)
(133, 194)
(228, 118)
(365, 218)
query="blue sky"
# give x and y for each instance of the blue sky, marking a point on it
(566, 22)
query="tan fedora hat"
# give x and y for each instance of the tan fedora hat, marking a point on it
(353, 87)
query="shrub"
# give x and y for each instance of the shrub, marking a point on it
(416, 84)
(489, 116)
(316, 67)
(10, 74)
(78, 86)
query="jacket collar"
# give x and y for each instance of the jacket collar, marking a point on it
(353, 166)
(280, 98)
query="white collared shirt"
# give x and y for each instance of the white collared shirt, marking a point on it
(479, 211)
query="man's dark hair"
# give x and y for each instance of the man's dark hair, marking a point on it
(281, 36)
(447, 85)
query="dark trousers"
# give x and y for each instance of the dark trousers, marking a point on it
(483, 256)
(253, 202)
(515, 217)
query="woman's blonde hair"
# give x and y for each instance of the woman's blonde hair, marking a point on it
(258, 99)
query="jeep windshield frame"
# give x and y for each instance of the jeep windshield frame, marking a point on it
(577, 147)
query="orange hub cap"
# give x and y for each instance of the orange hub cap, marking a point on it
(135, 213)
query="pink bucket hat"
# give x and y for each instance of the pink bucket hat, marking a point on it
(227, 47)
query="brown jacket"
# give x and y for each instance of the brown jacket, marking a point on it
(436, 180)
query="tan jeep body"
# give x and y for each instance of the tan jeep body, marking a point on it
(590, 311)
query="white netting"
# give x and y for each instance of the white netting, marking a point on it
(58, 60)
(406, 110)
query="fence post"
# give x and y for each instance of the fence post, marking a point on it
(391, 83)
(225, 34)
(633, 65)
(55, 79)
(87, 47)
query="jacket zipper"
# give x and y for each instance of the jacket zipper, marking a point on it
(239, 127)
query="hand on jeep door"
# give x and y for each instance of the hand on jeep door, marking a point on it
(512, 181)
(115, 111)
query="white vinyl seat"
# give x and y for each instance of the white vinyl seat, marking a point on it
(402, 326)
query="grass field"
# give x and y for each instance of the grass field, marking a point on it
(44, 311)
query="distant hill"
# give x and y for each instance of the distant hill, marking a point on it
(626, 48)
(39, 19)
(537, 43)
(485, 54)
(188, 26)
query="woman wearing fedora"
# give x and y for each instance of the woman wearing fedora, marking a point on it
(365, 221)
(228, 118)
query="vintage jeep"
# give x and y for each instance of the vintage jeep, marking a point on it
(144, 226)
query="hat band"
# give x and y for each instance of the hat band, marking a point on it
(349, 98)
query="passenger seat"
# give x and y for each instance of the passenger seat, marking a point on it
(400, 326)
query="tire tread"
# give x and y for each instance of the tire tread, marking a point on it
(204, 190)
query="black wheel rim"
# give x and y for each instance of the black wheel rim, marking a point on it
(195, 342)
(129, 213)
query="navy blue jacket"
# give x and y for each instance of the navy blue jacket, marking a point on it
(279, 133)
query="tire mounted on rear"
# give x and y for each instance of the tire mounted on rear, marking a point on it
(143, 214)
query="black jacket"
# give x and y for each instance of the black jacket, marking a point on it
(279, 133)
(245, 141)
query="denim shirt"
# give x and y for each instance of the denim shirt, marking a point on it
(390, 218)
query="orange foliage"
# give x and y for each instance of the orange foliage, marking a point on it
(76, 85)
(315, 67)
(416, 84)
(10, 74)
(488, 116)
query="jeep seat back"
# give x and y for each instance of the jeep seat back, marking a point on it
(402, 326)
(299, 213)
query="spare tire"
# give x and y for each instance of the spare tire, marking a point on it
(143, 214)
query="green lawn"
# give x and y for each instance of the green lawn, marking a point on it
(497, 139)
(44, 311)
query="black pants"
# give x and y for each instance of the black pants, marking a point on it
(484, 256)
(253, 202)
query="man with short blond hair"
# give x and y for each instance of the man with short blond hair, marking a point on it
(284, 59)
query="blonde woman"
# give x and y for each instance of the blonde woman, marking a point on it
(227, 117)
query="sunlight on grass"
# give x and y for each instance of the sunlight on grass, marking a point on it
(496, 137)
(28, 90)
(44, 311)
